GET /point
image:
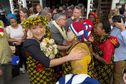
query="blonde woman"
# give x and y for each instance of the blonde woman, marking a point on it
(39, 62)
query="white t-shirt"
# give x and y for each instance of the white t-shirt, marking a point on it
(15, 33)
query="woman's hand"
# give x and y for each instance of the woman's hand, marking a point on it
(76, 55)
(67, 47)
(18, 42)
(91, 38)
(101, 59)
(121, 25)
(72, 56)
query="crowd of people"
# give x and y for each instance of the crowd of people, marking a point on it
(62, 46)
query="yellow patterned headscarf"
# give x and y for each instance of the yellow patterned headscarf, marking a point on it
(34, 21)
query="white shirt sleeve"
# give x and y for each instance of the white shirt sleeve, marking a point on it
(8, 30)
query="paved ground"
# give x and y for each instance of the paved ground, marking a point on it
(21, 79)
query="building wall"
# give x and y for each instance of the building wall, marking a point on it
(104, 7)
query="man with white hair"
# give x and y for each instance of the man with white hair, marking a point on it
(58, 31)
(60, 37)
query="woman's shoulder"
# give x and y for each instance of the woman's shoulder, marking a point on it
(8, 27)
(20, 26)
(29, 42)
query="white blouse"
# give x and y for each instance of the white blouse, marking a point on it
(17, 33)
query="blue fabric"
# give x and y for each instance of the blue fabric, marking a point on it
(86, 31)
(70, 81)
(15, 60)
(86, 34)
(120, 52)
(11, 16)
(79, 38)
(89, 80)
(62, 80)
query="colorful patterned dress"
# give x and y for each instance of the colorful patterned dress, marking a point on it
(101, 71)
(38, 64)
(44, 76)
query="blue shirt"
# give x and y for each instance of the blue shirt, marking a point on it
(120, 52)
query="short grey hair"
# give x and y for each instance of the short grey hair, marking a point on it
(59, 16)
(79, 8)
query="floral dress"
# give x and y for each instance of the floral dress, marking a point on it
(101, 71)
(38, 74)
(38, 64)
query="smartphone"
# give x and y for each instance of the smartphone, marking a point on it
(118, 18)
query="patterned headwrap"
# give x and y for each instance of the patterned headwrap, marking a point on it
(95, 15)
(11, 16)
(82, 29)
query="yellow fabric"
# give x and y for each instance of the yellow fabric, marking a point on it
(5, 51)
(1, 23)
(81, 66)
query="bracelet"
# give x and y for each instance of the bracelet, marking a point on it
(96, 56)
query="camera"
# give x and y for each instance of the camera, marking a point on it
(118, 18)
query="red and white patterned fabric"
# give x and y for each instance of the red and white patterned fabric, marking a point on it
(1, 31)
(82, 29)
